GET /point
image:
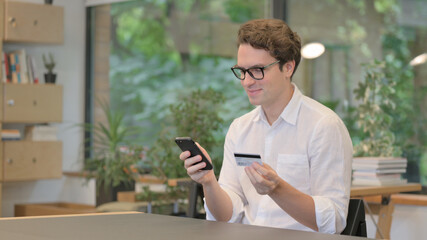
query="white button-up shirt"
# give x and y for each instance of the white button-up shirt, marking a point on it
(308, 146)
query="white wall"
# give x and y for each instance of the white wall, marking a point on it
(70, 58)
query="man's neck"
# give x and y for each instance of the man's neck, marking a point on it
(273, 111)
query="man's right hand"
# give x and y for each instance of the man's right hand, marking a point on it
(217, 200)
(194, 166)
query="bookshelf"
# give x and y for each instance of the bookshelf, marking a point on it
(29, 104)
(33, 23)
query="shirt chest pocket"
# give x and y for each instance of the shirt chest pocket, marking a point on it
(294, 169)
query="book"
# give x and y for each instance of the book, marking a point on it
(375, 175)
(383, 170)
(3, 67)
(356, 166)
(17, 66)
(30, 72)
(384, 177)
(33, 70)
(379, 160)
(379, 182)
(7, 67)
(21, 62)
(10, 134)
(14, 75)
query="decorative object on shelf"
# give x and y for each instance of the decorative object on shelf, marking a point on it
(41, 133)
(50, 76)
(48, 2)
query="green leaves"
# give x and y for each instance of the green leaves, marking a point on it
(112, 155)
(375, 94)
(49, 65)
(196, 115)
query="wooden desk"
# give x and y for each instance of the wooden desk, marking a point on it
(386, 207)
(142, 226)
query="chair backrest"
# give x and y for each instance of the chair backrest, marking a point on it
(195, 193)
(356, 223)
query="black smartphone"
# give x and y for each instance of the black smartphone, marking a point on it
(187, 144)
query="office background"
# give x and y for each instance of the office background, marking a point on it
(315, 82)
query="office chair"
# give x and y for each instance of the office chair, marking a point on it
(356, 223)
(195, 193)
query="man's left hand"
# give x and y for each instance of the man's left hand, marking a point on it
(263, 178)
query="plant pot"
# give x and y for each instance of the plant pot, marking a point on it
(109, 194)
(49, 77)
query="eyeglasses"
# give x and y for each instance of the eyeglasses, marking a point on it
(256, 73)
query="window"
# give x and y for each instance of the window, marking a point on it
(160, 50)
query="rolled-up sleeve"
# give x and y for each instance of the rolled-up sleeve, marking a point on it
(330, 153)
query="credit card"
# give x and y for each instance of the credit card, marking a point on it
(243, 159)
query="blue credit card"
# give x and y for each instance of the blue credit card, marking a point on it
(243, 159)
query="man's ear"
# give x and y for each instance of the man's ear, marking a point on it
(289, 67)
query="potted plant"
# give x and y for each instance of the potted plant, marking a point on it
(195, 115)
(377, 144)
(111, 158)
(50, 76)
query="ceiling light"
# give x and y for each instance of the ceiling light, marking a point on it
(312, 50)
(420, 59)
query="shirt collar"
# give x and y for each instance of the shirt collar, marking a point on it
(290, 113)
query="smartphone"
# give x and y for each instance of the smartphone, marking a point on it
(187, 144)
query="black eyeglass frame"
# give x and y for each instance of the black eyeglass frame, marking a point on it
(249, 71)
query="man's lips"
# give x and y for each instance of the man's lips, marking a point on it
(252, 92)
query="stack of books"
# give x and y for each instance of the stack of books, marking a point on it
(378, 171)
(10, 134)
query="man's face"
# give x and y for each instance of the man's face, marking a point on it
(274, 88)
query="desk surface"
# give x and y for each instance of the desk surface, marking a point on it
(141, 226)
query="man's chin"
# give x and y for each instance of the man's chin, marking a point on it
(254, 102)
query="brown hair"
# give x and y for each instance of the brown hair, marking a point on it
(274, 36)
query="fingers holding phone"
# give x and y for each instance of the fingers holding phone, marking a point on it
(205, 154)
(192, 161)
(195, 167)
(196, 159)
(187, 144)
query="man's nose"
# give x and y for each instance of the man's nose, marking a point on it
(249, 80)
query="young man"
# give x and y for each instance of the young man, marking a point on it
(304, 180)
